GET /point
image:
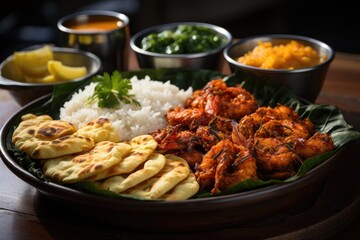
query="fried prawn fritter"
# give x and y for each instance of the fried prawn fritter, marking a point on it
(192, 156)
(217, 99)
(249, 124)
(318, 144)
(240, 168)
(284, 129)
(209, 136)
(175, 138)
(225, 165)
(274, 156)
(190, 117)
(277, 158)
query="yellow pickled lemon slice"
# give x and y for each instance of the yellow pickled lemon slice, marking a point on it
(34, 62)
(12, 71)
(65, 73)
(46, 79)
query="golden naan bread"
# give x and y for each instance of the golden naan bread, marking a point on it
(183, 190)
(120, 183)
(29, 120)
(176, 169)
(93, 153)
(74, 168)
(142, 147)
(99, 129)
(70, 144)
(51, 130)
(42, 128)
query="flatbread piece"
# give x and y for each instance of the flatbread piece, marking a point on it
(99, 129)
(120, 183)
(69, 169)
(142, 147)
(175, 170)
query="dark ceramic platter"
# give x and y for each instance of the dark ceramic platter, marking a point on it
(187, 215)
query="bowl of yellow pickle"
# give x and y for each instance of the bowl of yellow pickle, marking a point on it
(33, 72)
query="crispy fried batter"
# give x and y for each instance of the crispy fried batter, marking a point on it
(318, 144)
(225, 165)
(191, 118)
(283, 129)
(249, 124)
(220, 100)
(273, 155)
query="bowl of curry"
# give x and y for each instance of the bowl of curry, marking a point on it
(298, 62)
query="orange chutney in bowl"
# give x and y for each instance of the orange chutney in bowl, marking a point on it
(95, 23)
(292, 55)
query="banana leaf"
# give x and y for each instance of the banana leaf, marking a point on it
(326, 118)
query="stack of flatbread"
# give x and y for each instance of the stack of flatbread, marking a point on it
(94, 153)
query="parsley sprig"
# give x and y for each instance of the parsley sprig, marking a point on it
(110, 91)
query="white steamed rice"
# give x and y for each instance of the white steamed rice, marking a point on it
(155, 98)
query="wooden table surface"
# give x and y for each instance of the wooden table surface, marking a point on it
(27, 214)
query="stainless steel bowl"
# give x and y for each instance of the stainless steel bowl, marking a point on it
(205, 60)
(110, 45)
(24, 92)
(305, 82)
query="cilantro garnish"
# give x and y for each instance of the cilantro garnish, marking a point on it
(110, 91)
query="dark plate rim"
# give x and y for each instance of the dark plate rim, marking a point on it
(73, 195)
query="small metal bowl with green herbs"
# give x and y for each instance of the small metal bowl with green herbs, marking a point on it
(189, 45)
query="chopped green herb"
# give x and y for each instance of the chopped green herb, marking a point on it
(184, 39)
(110, 91)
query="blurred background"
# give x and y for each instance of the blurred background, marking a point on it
(34, 22)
